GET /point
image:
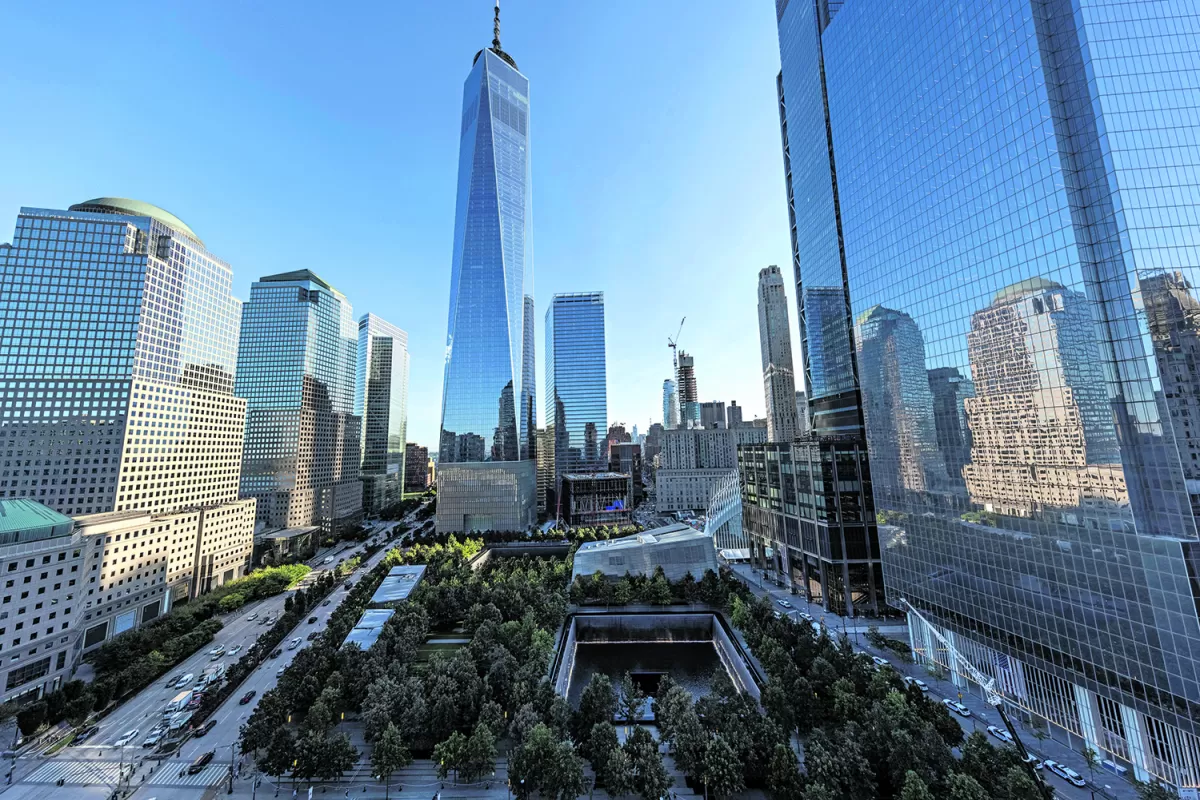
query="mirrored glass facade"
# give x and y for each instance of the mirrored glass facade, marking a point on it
(670, 405)
(296, 370)
(529, 384)
(482, 388)
(381, 402)
(576, 383)
(1016, 201)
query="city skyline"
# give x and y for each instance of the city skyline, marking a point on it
(288, 102)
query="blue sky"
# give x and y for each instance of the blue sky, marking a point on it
(325, 136)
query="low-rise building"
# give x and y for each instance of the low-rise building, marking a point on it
(368, 628)
(486, 496)
(679, 549)
(600, 498)
(397, 586)
(287, 545)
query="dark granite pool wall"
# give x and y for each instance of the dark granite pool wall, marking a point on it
(656, 628)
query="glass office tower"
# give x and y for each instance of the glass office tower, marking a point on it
(381, 402)
(528, 384)
(483, 390)
(576, 384)
(296, 367)
(1019, 180)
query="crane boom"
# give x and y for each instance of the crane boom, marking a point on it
(994, 698)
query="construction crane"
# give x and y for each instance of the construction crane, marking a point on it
(993, 696)
(672, 342)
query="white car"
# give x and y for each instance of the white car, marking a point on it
(154, 738)
(956, 707)
(1066, 773)
(233, 651)
(251, 617)
(279, 672)
(784, 603)
(127, 738)
(881, 662)
(216, 652)
(1034, 761)
(1000, 734)
(917, 682)
(804, 615)
(777, 615)
(294, 643)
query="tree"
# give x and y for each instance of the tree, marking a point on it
(783, 773)
(601, 743)
(691, 742)
(450, 755)
(30, 718)
(630, 701)
(1156, 791)
(597, 703)
(389, 754)
(479, 757)
(281, 753)
(964, 787)
(1092, 759)
(914, 788)
(722, 769)
(618, 774)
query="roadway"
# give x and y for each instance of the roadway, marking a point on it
(97, 762)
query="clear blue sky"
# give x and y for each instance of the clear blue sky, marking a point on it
(325, 136)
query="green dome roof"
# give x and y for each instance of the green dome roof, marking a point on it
(135, 208)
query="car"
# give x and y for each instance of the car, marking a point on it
(216, 652)
(804, 615)
(247, 697)
(127, 738)
(917, 682)
(154, 738)
(277, 652)
(279, 672)
(85, 734)
(201, 762)
(881, 662)
(186, 680)
(171, 683)
(294, 643)
(205, 728)
(233, 651)
(1000, 734)
(1034, 761)
(252, 616)
(347, 585)
(327, 602)
(328, 560)
(312, 636)
(956, 707)
(312, 619)
(1066, 773)
(777, 615)
(784, 603)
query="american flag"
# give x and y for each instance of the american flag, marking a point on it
(1002, 661)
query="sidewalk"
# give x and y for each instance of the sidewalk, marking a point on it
(982, 714)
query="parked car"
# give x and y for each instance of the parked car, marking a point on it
(785, 603)
(956, 707)
(127, 738)
(881, 662)
(205, 728)
(1034, 761)
(277, 652)
(917, 682)
(201, 762)
(1000, 734)
(312, 619)
(1066, 773)
(247, 697)
(294, 643)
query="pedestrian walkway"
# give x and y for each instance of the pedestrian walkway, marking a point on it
(77, 772)
(211, 774)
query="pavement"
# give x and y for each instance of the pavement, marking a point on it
(982, 714)
(92, 769)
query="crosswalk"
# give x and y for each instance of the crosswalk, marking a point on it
(169, 776)
(82, 772)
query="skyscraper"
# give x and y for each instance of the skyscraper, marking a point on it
(576, 383)
(296, 370)
(528, 383)
(120, 346)
(483, 384)
(670, 405)
(733, 415)
(1023, 221)
(950, 390)
(689, 402)
(775, 343)
(712, 414)
(381, 402)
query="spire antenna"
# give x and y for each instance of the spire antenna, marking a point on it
(496, 28)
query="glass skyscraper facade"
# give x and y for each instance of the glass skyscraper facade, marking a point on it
(381, 402)
(576, 384)
(670, 405)
(528, 384)
(1015, 206)
(485, 402)
(296, 370)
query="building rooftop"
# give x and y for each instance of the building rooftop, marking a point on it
(398, 584)
(286, 533)
(580, 476)
(368, 628)
(135, 208)
(20, 514)
(679, 549)
(300, 275)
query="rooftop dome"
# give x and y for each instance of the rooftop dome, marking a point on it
(135, 208)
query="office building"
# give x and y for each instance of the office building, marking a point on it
(670, 405)
(626, 457)
(807, 514)
(120, 346)
(712, 414)
(546, 496)
(597, 498)
(576, 383)
(381, 402)
(775, 345)
(733, 415)
(617, 434)
(694, 463)
(802, 426)
(296, 370)
(528, 383)
(689, 403)
(486, 330)
(1034, 223)
(416, 468)
(652, 446)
